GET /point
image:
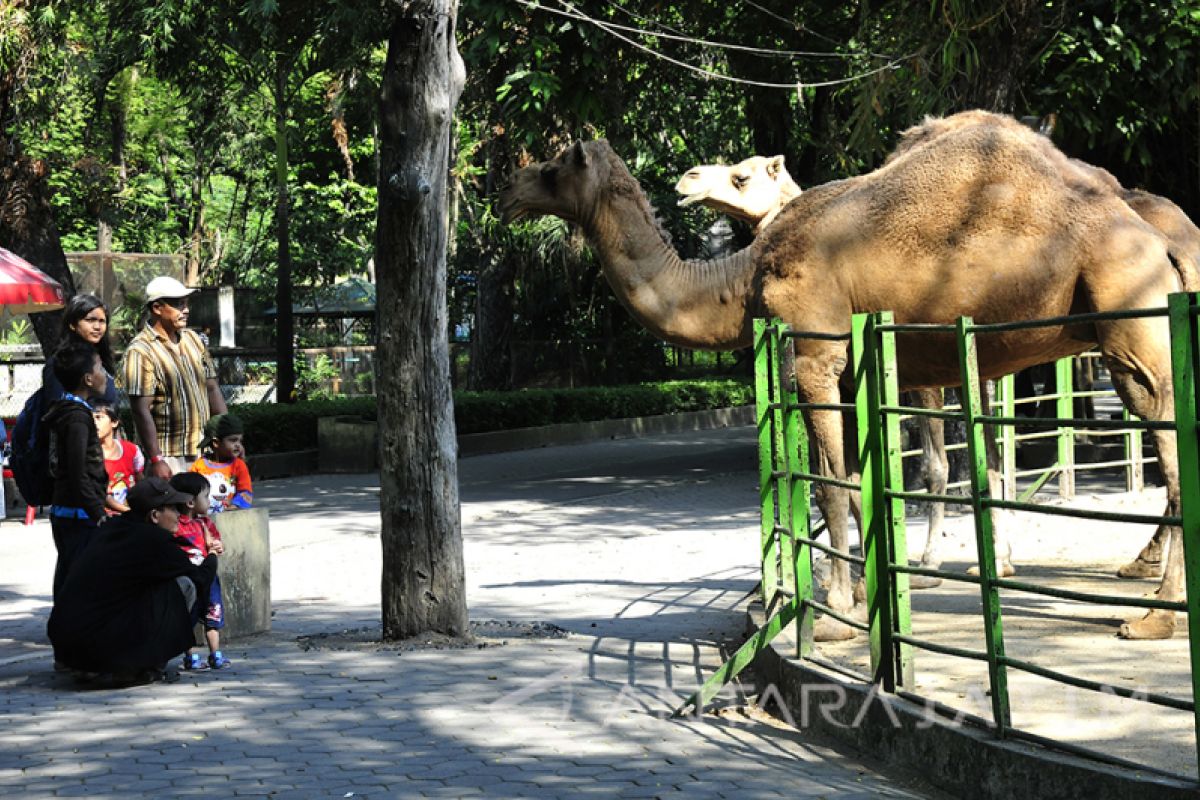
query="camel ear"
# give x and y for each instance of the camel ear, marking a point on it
(775, 166)
(579, 154)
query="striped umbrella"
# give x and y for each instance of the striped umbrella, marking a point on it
(25, 289)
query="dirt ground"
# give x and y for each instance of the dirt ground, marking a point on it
(1071, 637)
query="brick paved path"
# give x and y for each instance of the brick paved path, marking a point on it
(644, 559)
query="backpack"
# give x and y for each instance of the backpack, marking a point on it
(30, 461)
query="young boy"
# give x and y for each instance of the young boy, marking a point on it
(123, 460)
(76, 461)
(227, 474)
(198, 537)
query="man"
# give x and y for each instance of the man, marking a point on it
(130, 599)
(171, 381)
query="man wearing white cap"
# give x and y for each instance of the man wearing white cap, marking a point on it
(171, 381)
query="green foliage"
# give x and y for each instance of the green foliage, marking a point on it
(315, 381)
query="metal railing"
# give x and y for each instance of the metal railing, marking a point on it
(787, 543)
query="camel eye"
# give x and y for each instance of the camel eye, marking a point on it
(740, 181)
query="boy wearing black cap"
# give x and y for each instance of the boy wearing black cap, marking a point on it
(130, 599)
(223, 466)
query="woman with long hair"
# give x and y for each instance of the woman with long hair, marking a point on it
(85, 318)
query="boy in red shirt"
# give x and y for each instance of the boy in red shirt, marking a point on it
(123, 460)
(198, 536)
(227, 474)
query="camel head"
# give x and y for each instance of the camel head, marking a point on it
(567, 186)
(754, 190)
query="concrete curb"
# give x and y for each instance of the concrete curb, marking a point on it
(962, 758)
(476, 444)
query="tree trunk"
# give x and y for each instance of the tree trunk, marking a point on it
(285, 367)
(423, 578)
(27, 228)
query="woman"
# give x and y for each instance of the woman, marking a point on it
(85, 318)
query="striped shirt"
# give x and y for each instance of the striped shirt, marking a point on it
(175, 377)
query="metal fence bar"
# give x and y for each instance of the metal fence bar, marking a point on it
(897, 529)
(972, 401)
(1095, 686)
(864, 368)
(1088, 597)
(782, 457)
(1065, 408)
(1080, 513)
(763, 397)
(1135, 474)
(1006, 388)
(1075, 319)
(795, 443)
(1185, 365)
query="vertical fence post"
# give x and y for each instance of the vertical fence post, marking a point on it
(863, 354)
(764, 365)
(1185, 365)
(784, 462)
(795, 441)
(1065, 409)
(893, 474)
(1007, 389)
(1135, 472)
(972, 402)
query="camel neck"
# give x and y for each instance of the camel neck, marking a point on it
(700, 304)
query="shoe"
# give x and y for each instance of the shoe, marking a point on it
(218, 661)
(193, 661)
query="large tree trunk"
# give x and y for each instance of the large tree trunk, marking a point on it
(27, 228)
(285, 365)
(423, 579)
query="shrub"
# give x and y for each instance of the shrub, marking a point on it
(274, 428)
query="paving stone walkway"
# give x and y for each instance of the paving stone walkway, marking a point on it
(641, 553)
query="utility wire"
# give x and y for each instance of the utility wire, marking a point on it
(611, 29)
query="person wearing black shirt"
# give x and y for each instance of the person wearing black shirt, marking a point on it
(130, 599)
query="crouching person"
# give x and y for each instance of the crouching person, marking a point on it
(130, 599)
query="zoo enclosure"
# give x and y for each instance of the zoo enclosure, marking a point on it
(787, 540)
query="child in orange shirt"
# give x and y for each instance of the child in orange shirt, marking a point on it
(227, 474)
(198, 536)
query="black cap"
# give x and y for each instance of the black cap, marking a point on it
(154, 492)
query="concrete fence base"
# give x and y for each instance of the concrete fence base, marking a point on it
(245, 571)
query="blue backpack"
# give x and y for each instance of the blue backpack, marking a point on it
(30, 460)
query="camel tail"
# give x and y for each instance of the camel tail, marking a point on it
(1186, 268)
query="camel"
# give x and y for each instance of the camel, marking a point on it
(978, 222)
(755, 191)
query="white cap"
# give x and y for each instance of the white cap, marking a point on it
(166, 287)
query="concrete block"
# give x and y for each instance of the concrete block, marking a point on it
(348, 444)
(245, 570)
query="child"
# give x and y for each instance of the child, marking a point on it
(198, 537)
(123, 460)
(76, 460)
(228, 476)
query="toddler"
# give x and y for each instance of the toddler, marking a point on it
(123, 460)
(198, 536)
(227, 474)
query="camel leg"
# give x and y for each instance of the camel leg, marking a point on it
(1138, 357)
(1148, 563)
(818, 365)
(935, 469)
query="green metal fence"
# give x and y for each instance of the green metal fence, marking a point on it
(787, 542)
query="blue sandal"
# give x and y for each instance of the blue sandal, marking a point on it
(218, 661)
(192, 661)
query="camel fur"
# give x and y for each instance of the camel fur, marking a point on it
(977, 222)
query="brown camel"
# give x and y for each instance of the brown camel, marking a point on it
(977, 222)
(755, 191)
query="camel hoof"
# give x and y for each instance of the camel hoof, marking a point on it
(1140, 568)
(860, 592)
(828, 629)
(1155, 625)
(923, 582)
(1002, 570)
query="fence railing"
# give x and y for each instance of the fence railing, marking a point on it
(787, 542)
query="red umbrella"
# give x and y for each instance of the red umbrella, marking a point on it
(25, 289)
